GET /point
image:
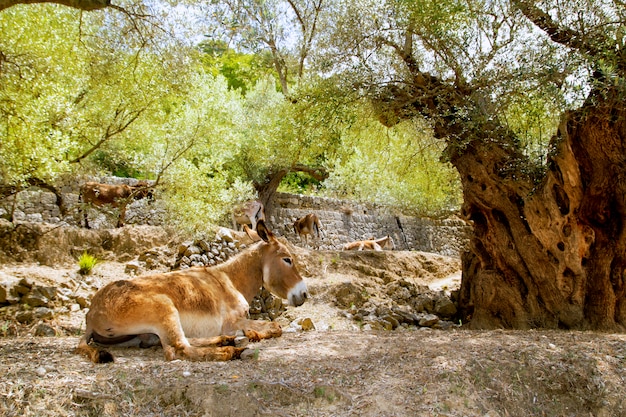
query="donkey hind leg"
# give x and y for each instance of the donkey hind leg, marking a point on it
(93, 353)
(86, 218)
(177, 346)
(121, 218)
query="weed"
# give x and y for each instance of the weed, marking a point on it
(86, 263)
(221, 388)
(320, 392)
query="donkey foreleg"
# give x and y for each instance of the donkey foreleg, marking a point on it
(222, 340)
(256, 330)
(193, 353)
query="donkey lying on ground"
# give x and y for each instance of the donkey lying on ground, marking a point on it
(372, 244)
(114, 195)
(195, 312)
(307, 225)
(249, 213)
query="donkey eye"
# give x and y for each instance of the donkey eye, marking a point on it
(287, 261)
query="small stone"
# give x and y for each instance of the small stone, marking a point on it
(41, 371)
(35, 299)
(307, 324)
(241, 341)
(444, 307)
(428, 320)
(24, 317)
(43, 313)
(3, 293)
(182, 248)
(82, 301)
(132, 267)
(44, 330)
(249, 354)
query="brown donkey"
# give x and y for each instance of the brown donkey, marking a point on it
(114, 195)
(195, 312)
(371, 244)
(308, 225)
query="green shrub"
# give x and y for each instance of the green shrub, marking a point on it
(86, 263)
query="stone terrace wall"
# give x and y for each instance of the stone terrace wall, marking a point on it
(346, 221)
(38, 205)
(343, 221)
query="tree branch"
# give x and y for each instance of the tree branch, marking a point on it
(318, 173)
(558, 33)
(112, 131)
(86, 5)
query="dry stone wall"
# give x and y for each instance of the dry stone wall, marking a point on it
(345, 221)
(342, 221)
(39, 206)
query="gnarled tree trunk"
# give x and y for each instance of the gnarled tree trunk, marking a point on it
(551, 255)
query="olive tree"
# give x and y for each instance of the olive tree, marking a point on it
(547, 248)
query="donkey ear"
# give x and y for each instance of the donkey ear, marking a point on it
(264, 233)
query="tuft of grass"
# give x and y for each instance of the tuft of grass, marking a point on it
(86, 263)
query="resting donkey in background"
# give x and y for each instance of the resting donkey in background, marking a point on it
(248, 213)
(371, 244)
(195, 312)
(114, 195)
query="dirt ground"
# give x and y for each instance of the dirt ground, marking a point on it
(338, 369)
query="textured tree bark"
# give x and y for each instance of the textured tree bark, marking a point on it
(268, 188)
(550, 255)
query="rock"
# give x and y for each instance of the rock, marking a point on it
(132, 267)
(193, 250)
(224, 234)
(307, 324)
(44, 330)
(423, 302)
(428, 320)
(393, 322)
(43, 313)
(82, 301)
(348, 294)
(21, 288)
(34, 299)
(24, 316)
(182, 248)
(48, 292)
(204, 245)
(444, 307)
(249, 354)
(406, 316)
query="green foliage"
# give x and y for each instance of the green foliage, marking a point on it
(83, 93)
(396, 166)
(86, 263)
(70, 87)
(299, 183)
(241, 70)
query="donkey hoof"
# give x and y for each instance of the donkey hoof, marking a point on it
(241, 341)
